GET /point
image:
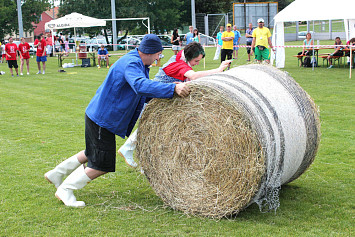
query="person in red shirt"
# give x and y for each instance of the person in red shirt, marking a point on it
(11, 53)
(49, 45)
(177, 69)
(40, 43)
(24, 48)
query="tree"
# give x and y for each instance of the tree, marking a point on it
(7, 16)
(31, 10)
(92, 8)
(210, 6)
(164, 15)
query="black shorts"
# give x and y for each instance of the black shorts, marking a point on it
(249, 48)
(339, 53)
(100, 147)
(226, 52)
(12, 63)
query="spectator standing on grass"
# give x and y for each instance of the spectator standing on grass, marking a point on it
(196, 36)
(49, 46)
(66, 43)
(236, 42)
(0, 52)
(114, 108)
(175, 40)
(102, 54)
(338, 52)
(3, 52)
(63, 39)
(40, 44)
(261, 42)
(61, 44)
(24, 49)
(189, 36)
(249, 40)
(11, 54)
(227, 47)
(219, 43)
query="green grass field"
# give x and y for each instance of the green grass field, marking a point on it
(42, 123)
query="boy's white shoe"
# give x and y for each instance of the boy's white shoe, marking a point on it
(56, 175)
(126, 151)
(76, 180)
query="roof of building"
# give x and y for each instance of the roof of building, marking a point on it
(50, 12)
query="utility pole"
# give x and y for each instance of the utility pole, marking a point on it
(19, 16)
(114, 30)
(193, 13)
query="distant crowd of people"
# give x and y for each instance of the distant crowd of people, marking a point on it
(11, 51)
(258, 40)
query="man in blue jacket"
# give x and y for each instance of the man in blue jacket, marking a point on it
(112, 111)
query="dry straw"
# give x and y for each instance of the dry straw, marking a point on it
(226, 145)
(198, 158)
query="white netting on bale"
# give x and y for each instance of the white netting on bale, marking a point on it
(235, 140)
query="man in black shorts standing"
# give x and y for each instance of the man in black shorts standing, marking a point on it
(11, 55)
(112, 111)
(249, 40)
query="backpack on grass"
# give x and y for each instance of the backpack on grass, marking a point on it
(307, 62)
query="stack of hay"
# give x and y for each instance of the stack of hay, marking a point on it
(235, 140)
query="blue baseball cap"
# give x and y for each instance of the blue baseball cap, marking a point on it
(150, 44)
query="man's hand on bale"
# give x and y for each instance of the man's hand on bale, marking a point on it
(182, 89)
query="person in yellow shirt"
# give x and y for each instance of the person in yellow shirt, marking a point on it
(227, 46)
(261, 42)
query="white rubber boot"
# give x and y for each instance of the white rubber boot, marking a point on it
(76, 180)
(126, 151)
(56, 175)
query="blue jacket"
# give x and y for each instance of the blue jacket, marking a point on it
(120, 96)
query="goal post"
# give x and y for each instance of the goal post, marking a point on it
(132, 19)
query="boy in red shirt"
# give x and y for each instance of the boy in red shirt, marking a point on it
(40, 43)
(24, 48)
(11, 51)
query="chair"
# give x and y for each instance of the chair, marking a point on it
(103, 61)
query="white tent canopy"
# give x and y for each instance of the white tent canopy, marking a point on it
(310, 10)
(74, 20)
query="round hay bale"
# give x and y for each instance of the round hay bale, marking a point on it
(235, 140)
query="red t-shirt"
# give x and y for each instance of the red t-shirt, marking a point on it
(24, 49)
(40, 47)
(49, 40)
(11, 49)
(178, 68)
